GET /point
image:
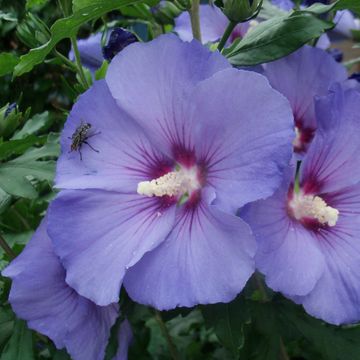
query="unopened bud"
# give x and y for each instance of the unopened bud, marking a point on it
(33, 32)
(239, 11)
(10, 119)
(118, 40)
(165, 12)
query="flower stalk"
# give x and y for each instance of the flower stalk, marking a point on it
(194, 13)
(226, 35)
(165, 332)
(8, 250)
(66, 61)
(283, 353)
(78, 63)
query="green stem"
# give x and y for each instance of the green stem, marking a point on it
(283, 353)
(78, 62)
(226, 35)
(167, 336)
(194, 13)
(297, 178)
(66, 61)
(8, 250)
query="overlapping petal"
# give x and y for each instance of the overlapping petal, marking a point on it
(207, 258)
(346, 22)
(40, 295)
(124, 155)
(301, 76)
(288, 254)
(90, 52)
(244, 135)
(125, 337)
(150, 82)
(333, 160)
(99, 234)
(336, 296)
(213, 25)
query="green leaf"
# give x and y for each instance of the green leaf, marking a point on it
(18, 147)
(353, 5)
(82, 4)
(85, 10)
(14, 174)
(37, 123)
(334, 343)
(318, 8)
(8, 16)
(276, 38)
(262, 338)
(6, 324)
(20, 345)
(5, 200)
(228, 321)
(101, 72)
(32, 3)
(269, 11)
(8, 61)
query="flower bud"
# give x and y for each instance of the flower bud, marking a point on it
(239, 10)
(119, 39)
(183, 4)
(355, 76)
(33, 32)
(10, 119)
(337, 54)
(165, 12)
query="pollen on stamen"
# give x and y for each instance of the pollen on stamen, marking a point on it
(174, 183)
(313, 207)
(168, 184)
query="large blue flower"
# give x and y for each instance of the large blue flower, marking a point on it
(40, 295)
(178, 141)
(309, 238)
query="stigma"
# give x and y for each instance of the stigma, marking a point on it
(297, 141)
(174, 183)
(314, 207)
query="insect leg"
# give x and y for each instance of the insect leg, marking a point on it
(89, 136)
(80, 153)
(85, 142)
